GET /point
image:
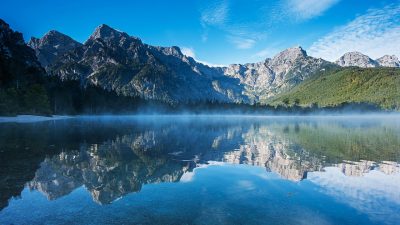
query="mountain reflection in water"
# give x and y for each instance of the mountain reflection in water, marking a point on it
(114, 156)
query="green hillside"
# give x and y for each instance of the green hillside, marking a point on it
(380, 86)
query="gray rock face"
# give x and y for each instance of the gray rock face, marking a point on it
(52, 46)
(389, 61)
(264, 80)
(116, 61)
(356, 59)
(360, 60)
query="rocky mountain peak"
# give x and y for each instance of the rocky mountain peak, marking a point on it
(54, 38)
(112, 37)
(297, 50)
(389, 61)
(54, 33)
(107, 33)
(51, 46)
(356, 59)
(290, 55)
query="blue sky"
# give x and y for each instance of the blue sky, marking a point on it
(224, 31)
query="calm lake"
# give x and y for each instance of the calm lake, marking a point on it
(201, 170)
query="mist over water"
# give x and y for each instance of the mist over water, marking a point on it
(232, 169)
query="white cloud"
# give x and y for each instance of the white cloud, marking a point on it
(375, 33)
(191, 53)
(307, 9)
(188, 52)
(211, 64)
(242, 43)
(215, 14)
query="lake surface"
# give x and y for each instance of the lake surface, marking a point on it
(201, 170)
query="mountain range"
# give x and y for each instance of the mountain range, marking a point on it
(117, 62)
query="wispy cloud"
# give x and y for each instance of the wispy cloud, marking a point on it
(245, 32)
(307, 9)
(215, 14)
(188, 51)
(296, 11)
(218, 15)
(242, 43)
(375, 33)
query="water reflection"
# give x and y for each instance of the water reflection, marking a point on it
(116, 156)
(113, 157)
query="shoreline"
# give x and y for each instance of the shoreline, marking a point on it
(36, 118)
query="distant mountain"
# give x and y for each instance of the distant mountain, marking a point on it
(273, 76)
(378, 86)
(358, 59)
(389, 61)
